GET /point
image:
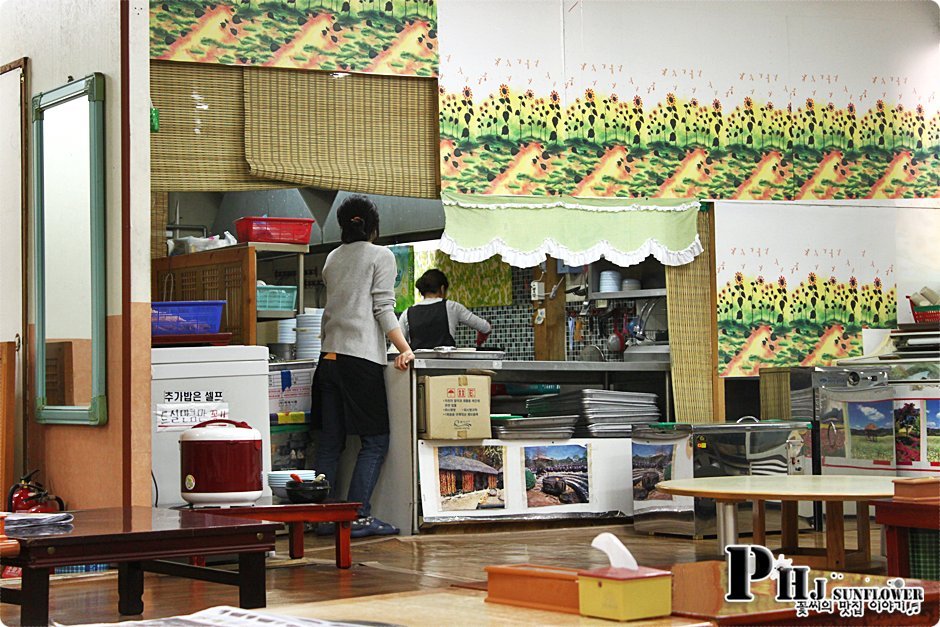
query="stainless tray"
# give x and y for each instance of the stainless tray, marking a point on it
(459, 353)
(516, 424)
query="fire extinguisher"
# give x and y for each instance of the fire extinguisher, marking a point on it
(31, 496)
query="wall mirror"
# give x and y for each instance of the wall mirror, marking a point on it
(68, 253)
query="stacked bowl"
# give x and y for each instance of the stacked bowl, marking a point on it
(277, 480)
(309, 328)
(287, 331)
(610, 281)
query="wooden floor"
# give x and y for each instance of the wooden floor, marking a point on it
(381, 566)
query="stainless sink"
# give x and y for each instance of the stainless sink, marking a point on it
(647, 352)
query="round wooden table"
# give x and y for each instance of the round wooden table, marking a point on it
(790, 489)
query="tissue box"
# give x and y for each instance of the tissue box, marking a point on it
(537, 587)
(625, 594)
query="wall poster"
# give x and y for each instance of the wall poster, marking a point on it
(557, 475)
(652, 463)
(374, 36)
(471, 477)
(871, 430)
(590, 99)
(798, 283)
(404, 277)
(907, 432)
(932, 422)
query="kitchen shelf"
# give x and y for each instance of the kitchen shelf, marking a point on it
(629, 295)
(268, 247)
(276, 314)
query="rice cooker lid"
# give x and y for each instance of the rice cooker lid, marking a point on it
(221, 431)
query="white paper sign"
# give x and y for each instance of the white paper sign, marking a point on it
(181, 416)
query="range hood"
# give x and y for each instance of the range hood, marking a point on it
(402, 219)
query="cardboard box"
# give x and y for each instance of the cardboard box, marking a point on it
(289, 391)
(454, 407)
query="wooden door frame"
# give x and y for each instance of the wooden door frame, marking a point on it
(22, 64)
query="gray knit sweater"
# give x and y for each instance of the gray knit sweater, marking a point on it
(360, 301)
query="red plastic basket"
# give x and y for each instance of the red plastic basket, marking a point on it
(929, 314)
(275, 230)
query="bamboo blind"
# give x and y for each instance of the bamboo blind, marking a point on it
(159, 208)
(201, 142)
(691, 302)
(360, 133)
(775, 393)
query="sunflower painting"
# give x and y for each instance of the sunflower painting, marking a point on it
(376, 36)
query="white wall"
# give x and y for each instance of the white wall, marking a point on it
(918, 254)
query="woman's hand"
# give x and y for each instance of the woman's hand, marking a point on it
(403, 359)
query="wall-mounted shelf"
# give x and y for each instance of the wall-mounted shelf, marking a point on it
(632, 294)
(276, 314)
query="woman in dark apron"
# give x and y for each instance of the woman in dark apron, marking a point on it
(349, 383)
(433, 322)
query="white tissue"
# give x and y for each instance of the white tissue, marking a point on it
(617, 553)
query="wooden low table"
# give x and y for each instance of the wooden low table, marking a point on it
(834, 490)
(135, 538)
(698, 591)
(295, 515)
(897, 517)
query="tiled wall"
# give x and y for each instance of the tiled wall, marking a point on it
(512, 325)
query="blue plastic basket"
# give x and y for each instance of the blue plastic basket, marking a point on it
(186, 317)
(276, 297)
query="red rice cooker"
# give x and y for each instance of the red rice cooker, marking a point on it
(220, 464)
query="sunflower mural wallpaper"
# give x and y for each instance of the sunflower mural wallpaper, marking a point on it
(789, 295)
(598, 119)
(376, 36)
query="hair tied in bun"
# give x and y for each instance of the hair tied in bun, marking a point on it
(356, 220)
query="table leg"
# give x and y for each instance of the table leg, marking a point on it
(759, 523)
(864, 530)
(727, 524)
(343, 550)
(251, 586)
(835, 536)
(34, 596)
(896, 548)
(789, 525)
(130, 588)
(296, 540)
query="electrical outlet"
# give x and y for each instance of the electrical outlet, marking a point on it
(538, 290)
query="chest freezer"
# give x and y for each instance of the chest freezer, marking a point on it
(191, 385)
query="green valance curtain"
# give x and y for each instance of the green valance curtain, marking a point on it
(579, 231)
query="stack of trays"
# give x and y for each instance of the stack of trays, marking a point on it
(534, 428)
(308, 334)
(601, 413)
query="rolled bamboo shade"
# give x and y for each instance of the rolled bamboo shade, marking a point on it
(691, 302)
(360, 133)
(201, 142)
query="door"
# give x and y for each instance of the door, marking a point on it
(13, 164)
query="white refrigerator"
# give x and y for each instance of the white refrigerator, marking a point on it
(191, 385)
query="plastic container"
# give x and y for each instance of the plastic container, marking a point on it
(276, 297)
(925, 315)
(274, 230)
(537, 587)
(186, 317)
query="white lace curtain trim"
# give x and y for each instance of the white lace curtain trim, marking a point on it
(549, 247)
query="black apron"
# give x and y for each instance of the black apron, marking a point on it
(361, 384)
(428, 326)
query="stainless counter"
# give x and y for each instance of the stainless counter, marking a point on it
(651, 365)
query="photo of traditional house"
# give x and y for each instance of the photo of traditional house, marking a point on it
(470, 477)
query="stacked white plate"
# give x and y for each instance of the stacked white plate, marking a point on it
(629, 285)
(610, 281)
(287, 331)
(309, 328)
(277, 480)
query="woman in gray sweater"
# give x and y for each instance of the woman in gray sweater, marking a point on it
(349, 384)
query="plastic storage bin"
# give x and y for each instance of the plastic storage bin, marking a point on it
(274, 230)
(276, 297)
(186, 317)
